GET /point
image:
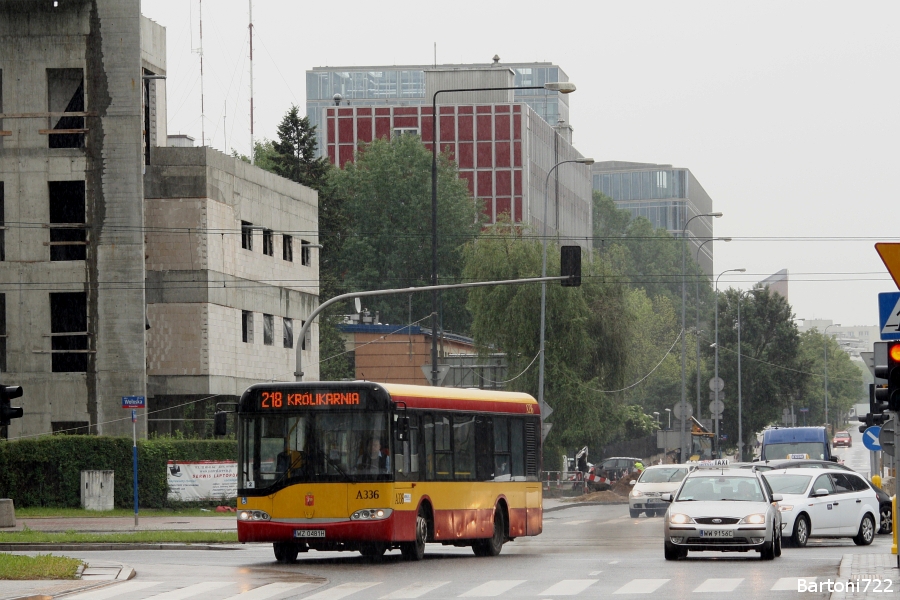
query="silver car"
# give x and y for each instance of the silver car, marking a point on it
(721, 509)
(646, 492)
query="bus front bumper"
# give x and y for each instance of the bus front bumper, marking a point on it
(398, 526)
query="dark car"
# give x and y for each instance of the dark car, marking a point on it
(885, 506)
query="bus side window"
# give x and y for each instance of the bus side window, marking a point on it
(484, 448)
(464, 447)
(502, 457)
(443, 450)
(428, 435)
(406, 458)
(517, 448)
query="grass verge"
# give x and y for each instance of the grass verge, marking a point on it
(42, 566)
(29, 536)
(68, 513)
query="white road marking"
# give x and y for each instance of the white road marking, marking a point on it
(115, 590)
(594, 573)
(267, 591)
(191, 590)
(568, 587)
(415, 590)
(343, 590)
(492, 588)
(615, 562)
(641, 586)
(719, 585)
(790, 583)
(577, 522)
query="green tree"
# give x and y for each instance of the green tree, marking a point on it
(387, 196)
(295, 151)
(772, 375)
(845, 380)
(263, 155)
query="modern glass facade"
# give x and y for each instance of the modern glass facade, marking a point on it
(405, 86)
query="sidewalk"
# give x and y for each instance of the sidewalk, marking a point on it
(850, 583)
(98, 574)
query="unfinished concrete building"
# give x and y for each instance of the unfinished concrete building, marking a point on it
(128, 268)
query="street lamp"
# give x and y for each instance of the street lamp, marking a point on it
(584, 161)
(825, 335)
(563, 87)
(669, 410)
(697, 305)
(684, 448)
(656, 414)
(716, 386)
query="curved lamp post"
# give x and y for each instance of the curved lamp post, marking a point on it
(563, 87)
(716, 387)
(697, 305)
(825, 335)
(584, 161)
(684, 448)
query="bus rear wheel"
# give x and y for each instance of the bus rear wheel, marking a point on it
(285, 552)
(494, 544)
(416, 550)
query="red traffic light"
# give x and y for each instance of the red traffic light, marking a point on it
(894, 352)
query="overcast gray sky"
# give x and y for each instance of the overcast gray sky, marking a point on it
(786, 112)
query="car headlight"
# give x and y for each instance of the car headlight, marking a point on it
(253, 515)
(785, 507)
(757, 519)
(371, 514)
(680, 519)
(636, 493)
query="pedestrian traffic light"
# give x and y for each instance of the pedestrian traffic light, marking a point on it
(8, 412)
(570, 265)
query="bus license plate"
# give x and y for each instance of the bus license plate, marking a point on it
(716, 533)
(309, 533)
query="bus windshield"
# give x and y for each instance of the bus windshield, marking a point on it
(321, 446)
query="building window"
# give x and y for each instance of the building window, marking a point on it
(246, 235)
(398, 131)
(287, 248)
(2, 226)
(268, 242)
(305, 256)
(68, 332)
(288, 337)
(305, 341)
(247, 326)
(268, 330)
(3, 333)
(65, 94)
(68, 237)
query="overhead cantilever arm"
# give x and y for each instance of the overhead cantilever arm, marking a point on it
(298, 374)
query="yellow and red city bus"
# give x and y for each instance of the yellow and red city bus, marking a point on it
(367, 467)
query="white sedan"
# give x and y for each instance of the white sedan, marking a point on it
(824, 503)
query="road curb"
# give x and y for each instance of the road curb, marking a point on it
(114, 546)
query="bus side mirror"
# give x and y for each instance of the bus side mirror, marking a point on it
(402, 430)
(220, 424)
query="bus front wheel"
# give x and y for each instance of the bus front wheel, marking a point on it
(416, 550)
(286, 552)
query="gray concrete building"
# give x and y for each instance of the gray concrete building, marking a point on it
(108, 291)
(668, 197)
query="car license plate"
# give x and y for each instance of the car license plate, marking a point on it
(309, 533)
(717, 533)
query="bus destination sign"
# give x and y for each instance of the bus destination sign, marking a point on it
(282, 400)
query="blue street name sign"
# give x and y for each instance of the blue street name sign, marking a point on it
(870, 438)
(133, 402)
(889, 315)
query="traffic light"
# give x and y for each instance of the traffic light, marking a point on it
(877, 407)
(570, 265)
(893, 376)
(8, 412)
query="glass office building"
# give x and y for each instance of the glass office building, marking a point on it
(405, 86)
(664, 195)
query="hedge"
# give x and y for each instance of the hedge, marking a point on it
(46, 471)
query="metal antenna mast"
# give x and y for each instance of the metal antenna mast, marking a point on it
(202, 108)
(252, 147)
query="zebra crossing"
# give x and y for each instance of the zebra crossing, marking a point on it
(359, 590)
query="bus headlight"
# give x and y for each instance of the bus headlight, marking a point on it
(371, 514)
(253, 515)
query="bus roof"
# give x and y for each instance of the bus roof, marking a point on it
(462, 399)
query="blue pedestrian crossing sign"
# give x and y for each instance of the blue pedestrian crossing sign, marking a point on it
(889, 315)
(870, 438)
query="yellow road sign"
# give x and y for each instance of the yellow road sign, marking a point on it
(890, 255)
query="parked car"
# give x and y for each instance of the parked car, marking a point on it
(616, 467)
(841, 438)
(722, 509)
(647, 490)
(824, 503)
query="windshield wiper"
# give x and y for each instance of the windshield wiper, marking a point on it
(337, 467)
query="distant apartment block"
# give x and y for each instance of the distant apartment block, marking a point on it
(668, 197)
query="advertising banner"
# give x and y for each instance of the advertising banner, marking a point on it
(201, 480)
